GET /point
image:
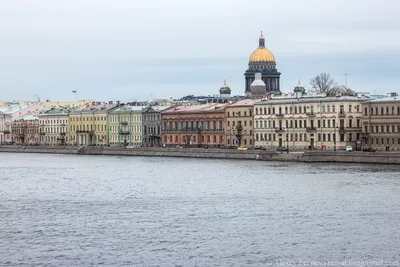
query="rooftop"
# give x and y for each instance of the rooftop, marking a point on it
(57, 111)
(28, 118)
(98, 108)
(207, 108)
(313, 100)
(244, 103)
(386, 99)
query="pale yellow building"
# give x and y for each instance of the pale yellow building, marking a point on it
(239, 123)
(381, 123)
(89, 125)
(308, 122)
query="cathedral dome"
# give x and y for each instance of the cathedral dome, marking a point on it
(225, 90)
(261, 54)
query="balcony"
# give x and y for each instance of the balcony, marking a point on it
(84, 132)
(279, 116)
(311, 129)
(124, 132)
(342, 114)
(310, 114)
(62, 133)
(6, 132)
(124, 123)
(364, 135)
(279, 130)
(42, 133)
(342, 130)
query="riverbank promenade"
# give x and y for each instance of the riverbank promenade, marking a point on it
(266, 155)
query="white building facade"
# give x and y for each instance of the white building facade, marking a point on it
(53, 126)
(5, 128)
(309, 122)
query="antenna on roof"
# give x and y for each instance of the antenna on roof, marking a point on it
(345, 78)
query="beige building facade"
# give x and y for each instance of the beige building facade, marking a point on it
(308, 122)
(381, 123)
(53, 126)
(239, 123)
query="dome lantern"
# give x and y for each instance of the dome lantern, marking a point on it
(262, 54)
(225, 90)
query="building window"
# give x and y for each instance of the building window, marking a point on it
(208, 139)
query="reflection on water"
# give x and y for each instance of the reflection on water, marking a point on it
(67, 210)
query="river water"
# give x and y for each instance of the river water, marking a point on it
(68, 210)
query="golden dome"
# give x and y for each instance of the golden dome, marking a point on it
(261, 54)
(225, 85)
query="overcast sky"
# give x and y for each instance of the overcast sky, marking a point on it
(129, 49)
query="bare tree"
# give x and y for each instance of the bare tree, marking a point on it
(322, 82)
(340, 90)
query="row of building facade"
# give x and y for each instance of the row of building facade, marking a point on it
(295, 121)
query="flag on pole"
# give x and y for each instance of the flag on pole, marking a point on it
(74, 91)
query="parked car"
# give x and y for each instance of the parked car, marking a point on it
(131, 147)
(231, 147)
(369, 150)
(242, 148)
(259, 148)
(282, 148)
(349, 148)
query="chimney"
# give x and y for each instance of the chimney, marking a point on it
(110, 102)
(93, 103)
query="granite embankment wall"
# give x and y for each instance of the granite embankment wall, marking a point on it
(307, 156)
(40, 149)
